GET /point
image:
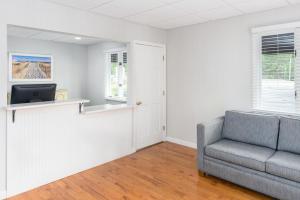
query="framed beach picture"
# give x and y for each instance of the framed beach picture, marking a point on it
(30, 67)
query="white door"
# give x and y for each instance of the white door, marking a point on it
(148, 62)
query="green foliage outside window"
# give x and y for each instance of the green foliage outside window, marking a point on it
(125, 65)
(114, 68)
(114, 85)
(278, 66)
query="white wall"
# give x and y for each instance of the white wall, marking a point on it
(43, 15)
(96, 77)
(209, 69)
(3, 103)
(69, 62)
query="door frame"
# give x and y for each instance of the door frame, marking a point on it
(132, 87)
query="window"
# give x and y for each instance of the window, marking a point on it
(117, 76)
(274, 71)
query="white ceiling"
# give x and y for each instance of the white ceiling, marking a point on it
(50, 36)
(167, 14)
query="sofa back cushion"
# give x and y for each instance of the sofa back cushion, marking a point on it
(289, 135)
(251, 128)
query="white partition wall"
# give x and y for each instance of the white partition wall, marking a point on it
(3, 99)
(115, 139)
(46, 144)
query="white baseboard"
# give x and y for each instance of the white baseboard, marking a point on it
(182, 142)
(2, 194)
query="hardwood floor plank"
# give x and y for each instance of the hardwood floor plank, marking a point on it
(165, 171)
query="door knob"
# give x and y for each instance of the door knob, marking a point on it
(138, 103)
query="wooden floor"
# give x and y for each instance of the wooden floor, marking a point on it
(165, 171)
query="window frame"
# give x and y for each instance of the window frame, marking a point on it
(108, 53)
(257, 34)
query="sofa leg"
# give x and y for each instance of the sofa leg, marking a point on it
(202, 173)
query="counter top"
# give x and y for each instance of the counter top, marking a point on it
(105, 108)
(24, 106)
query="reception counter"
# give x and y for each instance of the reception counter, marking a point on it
(30, 106)
(51, 140)
(105, 108)
(80, 102)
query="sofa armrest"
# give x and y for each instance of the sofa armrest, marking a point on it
(207, 133)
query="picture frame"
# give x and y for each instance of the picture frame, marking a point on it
(25, 67)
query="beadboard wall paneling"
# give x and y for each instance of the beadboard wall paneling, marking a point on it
(47, 144)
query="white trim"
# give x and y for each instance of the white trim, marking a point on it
(182, 142)
(164, 90)
(116, 50)
(149, 43)
(3, 194)
(297, 69)
(105, 108)
(107, 73)
(276, 112)
(291, 25)
(116, 99)
(256, 74)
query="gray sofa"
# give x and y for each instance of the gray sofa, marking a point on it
(259, 151)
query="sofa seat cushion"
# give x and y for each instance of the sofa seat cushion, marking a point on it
(251, 128)
(247, 155)
(285, 165)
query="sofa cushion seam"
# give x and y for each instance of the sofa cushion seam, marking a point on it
(241, 157)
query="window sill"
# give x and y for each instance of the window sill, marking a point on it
(105, 108)
(122, 100)
(268, 111)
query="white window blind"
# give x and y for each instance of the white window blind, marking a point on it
(274, 77)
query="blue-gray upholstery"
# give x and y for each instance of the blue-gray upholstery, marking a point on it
(208, 133)
(251, 128)
(239, 153)
(245, 148)
(263, 182)
(285, 165)
(289, 135)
